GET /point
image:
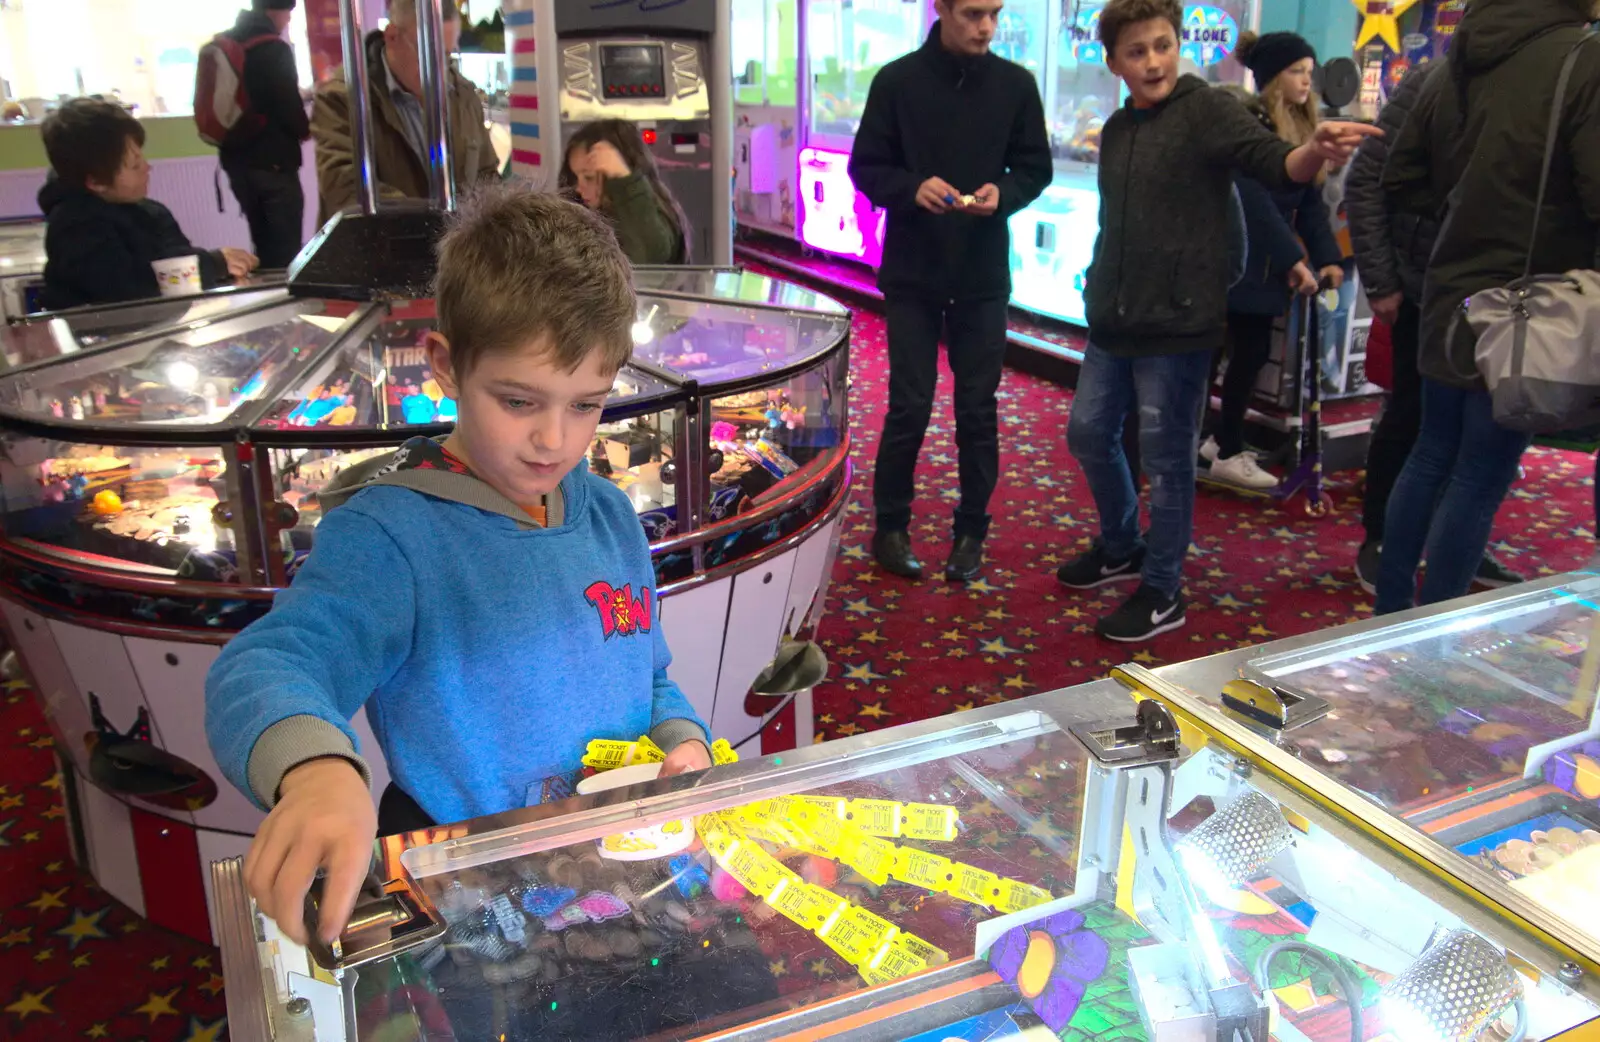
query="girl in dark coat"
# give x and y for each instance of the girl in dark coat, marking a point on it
(608, 168)
(1291, 246)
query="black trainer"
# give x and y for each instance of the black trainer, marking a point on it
(1494, 575)
(1367, 561)
(1148, 613)
(1094, 569)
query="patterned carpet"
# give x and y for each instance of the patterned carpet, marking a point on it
(74, 963)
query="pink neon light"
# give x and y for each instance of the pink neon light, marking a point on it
(519, 155)
(524, 101)
(522, 45)
(842, 221)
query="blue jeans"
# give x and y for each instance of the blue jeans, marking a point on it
(1168, 390)
(1459, 471)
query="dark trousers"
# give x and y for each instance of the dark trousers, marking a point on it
(1397, 430)
(1249, 349)
(274, 204)
(975, 339)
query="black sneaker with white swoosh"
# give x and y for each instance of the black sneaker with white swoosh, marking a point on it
(1147, 614)
(1094, 569)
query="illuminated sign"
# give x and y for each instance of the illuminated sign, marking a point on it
(1209, 35)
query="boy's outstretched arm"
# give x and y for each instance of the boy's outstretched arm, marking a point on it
(674, 725)
(278, 706)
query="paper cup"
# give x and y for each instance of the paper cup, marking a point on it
(177, 276)
(663, 840)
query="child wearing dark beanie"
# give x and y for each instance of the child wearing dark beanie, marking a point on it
(1292, 246)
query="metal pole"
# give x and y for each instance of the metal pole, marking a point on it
(721, 87)
(358, 88)
(435, 103)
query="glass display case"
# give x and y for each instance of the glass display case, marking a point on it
(1475, 726)
(1053, 239)
(106, 415)
(22, 260)
(1066, 866)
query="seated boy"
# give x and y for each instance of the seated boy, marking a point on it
(101, 231)
(488, 599)
(1157, 299)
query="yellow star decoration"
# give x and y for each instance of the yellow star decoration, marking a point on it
(212, 987)
(98, 1031)
(83, 927)
(1381, 19)
(81, 961)
(18, 936)
(159, 1005)
(47, 900)
(159, 964)
(778, 969)
(31, 1002)
(199, 1032)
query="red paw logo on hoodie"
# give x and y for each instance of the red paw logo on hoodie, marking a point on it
(621, 614)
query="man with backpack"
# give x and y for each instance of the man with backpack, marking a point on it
(247, 103)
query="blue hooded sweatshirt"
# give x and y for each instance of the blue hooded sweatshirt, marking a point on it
(489, 648)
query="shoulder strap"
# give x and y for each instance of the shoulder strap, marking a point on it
(1551, 138)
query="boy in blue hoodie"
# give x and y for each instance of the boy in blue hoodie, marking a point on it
(490, 599)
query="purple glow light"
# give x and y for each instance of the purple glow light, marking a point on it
(841, 221)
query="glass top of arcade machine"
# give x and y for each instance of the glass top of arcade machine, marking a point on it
(734, 285)
(194, 376)
(1478, 726)
(379, 378)
(723, 343)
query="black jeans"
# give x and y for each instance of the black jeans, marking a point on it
(1397, 430)
(976, 344)
(1249, 349)
(274, 204)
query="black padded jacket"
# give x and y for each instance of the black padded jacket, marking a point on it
(1392, 246)
(1477, 140)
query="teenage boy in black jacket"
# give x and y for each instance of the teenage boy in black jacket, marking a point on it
(262, 154)
(952, 143)
(1157, 299)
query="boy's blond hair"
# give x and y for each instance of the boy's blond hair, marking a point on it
(1119, 14)
(517, 267)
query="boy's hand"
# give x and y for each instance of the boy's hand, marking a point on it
(1335, 142)
(240, 262)
(324, 819)
(935, 195)
(985, 201)
(1302, 281)
(1333, 276)
(688, 756)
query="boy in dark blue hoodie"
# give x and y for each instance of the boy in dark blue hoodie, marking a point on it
(517, 619)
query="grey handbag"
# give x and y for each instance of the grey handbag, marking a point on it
(1538, 338)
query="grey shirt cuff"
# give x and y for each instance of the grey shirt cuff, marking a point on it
(291, 742)
(669, 734)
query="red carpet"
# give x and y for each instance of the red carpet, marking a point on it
(74, 963)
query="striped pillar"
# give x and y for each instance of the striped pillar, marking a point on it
(535, 78)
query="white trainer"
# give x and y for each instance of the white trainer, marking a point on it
(1243, 471)
(1210, 450)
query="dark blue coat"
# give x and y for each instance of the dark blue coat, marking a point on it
(1277, 222)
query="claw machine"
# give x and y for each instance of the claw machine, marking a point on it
(844, 44)
(1052, 241)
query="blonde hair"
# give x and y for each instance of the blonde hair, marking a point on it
(1296, 124)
